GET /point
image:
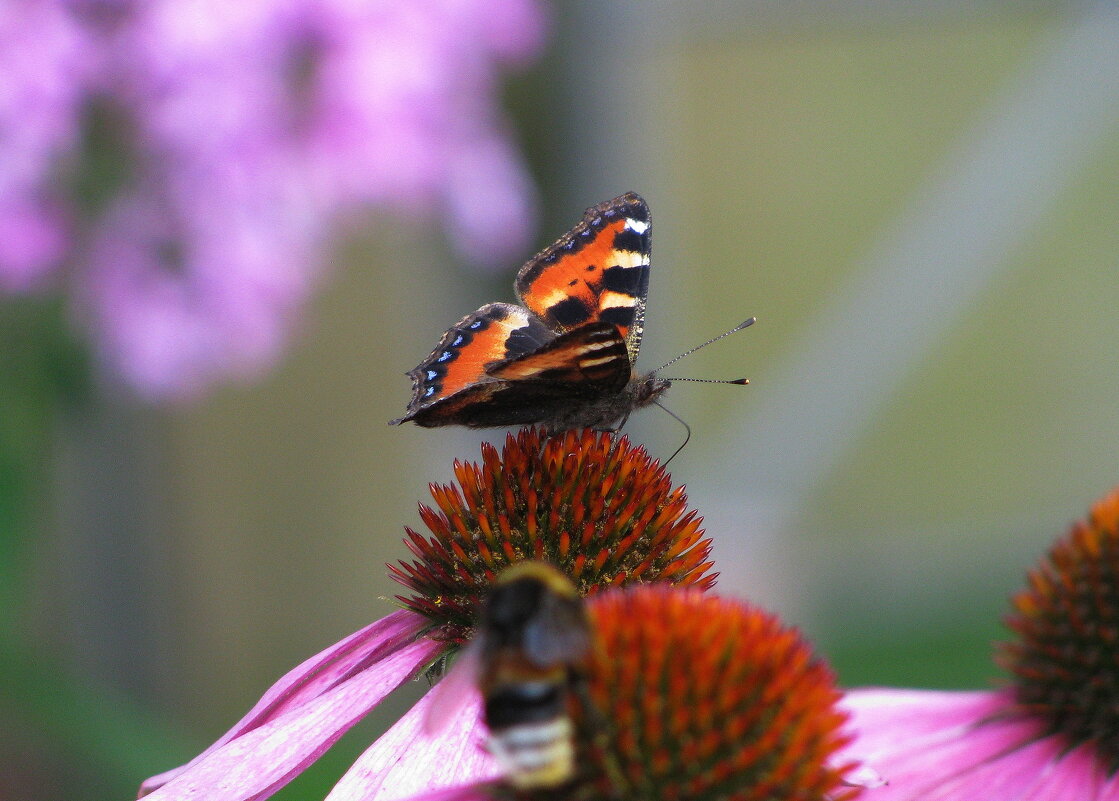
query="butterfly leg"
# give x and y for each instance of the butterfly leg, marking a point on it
(614, 429)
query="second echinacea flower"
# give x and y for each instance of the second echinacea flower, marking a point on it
(1053, 733)
(683, 697)
(707, 697)
(598, 508)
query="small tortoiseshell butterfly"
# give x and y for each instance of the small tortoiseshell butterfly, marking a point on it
(566, 358)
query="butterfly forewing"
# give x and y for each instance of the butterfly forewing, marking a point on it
(495, 333)
(597, 272)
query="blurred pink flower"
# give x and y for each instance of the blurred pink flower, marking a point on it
(409, 63)
(33, 239)
(45, 67)
(181, 294)
(242, 137)
(1053, 734)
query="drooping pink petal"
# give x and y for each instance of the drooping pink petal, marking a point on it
(906, 735)
(1110, 789)
(366, 648)
(468, 793)
(1073, 776)
(1007, 775)
(895, 714)
(256, 764)
(948, 746)
(957, 752)
(407, 760)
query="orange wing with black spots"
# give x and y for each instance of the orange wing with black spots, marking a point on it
(565, 361)
(495, 333)
(593, 355)
(596, 272)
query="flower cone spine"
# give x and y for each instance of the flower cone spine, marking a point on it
(602, 511)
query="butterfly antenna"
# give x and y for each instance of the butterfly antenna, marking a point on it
(735, 330)
(687, 428)
(713, 380)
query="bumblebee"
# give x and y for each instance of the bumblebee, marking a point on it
(527, 658)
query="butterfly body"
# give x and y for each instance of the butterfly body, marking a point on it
(565, 359)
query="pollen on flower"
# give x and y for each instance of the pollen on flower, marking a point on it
(1065, 662)
(601, 510)
(691, 696)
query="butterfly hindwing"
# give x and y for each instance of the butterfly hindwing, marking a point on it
(597, 272)
(593, 357)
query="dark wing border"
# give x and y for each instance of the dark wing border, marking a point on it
(579, 367)
(494, 334)
(630, 280)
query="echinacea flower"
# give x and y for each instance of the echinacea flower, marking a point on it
(691, 697)
(596, 507)
(1053, 733)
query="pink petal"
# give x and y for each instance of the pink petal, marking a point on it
(910, 737)
(1110, 790)
(407, 760)
(925, 765)
(314, 677)
(952, 746)
(471, 792)
(1075, 776)
(1005, 776)
(892, 714)
(256, 764)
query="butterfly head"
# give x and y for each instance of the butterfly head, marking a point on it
(647, 388)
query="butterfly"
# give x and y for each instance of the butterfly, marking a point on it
(565, 358)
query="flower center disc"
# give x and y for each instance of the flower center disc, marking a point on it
(1066, 662)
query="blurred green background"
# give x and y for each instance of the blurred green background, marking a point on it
(918, 201)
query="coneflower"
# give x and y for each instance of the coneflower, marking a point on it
(599, 509)
(693, 697)
(603, 512)
(1052, 734)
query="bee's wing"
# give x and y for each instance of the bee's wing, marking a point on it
(559, 633)
(455, 690)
